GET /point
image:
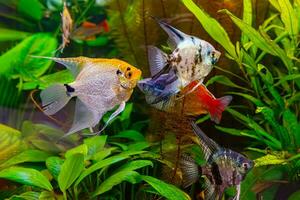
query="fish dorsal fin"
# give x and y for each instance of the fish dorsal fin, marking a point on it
(209, 147)
(72, 64)
(175, 36)
(157, 60)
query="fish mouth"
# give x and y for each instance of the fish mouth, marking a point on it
(125, 86)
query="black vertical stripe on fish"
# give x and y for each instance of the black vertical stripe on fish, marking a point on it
(69, 88)
(216, 174)
(174, 31)
(193, 40)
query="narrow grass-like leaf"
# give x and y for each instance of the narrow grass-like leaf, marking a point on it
(269, 160)
(212, 27)
(247, 18)
(254, 100)
(26, 176)
(70, 170)
(223, 80)
(289, 18)
(166, 190)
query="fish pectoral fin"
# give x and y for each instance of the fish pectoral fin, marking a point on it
(210, 192)
(113, 116)
(157, 60)
(83, 118)
(238, 192)
(189, 169)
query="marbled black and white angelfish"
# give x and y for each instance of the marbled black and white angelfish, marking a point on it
(224, 168)
(191, 58)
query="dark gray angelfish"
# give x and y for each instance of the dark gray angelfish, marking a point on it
(191, 58)
(224, 168)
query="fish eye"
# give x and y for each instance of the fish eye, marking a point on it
(245, 166)
(128, 68)
(213, 54)
(128, 74)
(208, 53)
(119, 72)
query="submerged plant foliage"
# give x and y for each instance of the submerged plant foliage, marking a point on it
(267, 56)
(126, 162)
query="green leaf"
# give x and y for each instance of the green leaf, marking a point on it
(130, 134)
(103, 154)
(95, 144)
(295, 196)
(12, 35)
(254, 100)
(269, 159)
(11, 142)
(26, 176)
(291, 123)
(30, 195)
(27, 156)
(70, 170)
(31, 8)
(63, 76)
(289, 18)
(247, 18)
(17, 62)
(54, 166)
(134, 165)
(136, 146)
(166, 190)
(99, 41)
(81, 149)
(115, 179)
(223, 80)
(212, 27)
(103, 163)
(237, 132)
(289, 77)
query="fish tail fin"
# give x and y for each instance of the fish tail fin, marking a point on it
(190, 170)
(55, 97)
(217, 109)
(157, 60)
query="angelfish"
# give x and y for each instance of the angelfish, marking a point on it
(224, 168)
(99, 86)
(191, 58)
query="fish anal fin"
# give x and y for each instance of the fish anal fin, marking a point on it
(218, 107)
(190, 170)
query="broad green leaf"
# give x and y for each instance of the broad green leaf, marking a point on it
(127, 112)
(223, 80)
(54, 166)
(95, 144)
(269, 160)
(134, 165)
(106, 162)
(136, 146)
(117, 178)
(30, 155)
(81, 149)
(49, 196)
(26, 176)
(31, 8)
(11, 142)
(45, 81)
(12, 35)
(289, 18)
(212, 27)
(17, 61)
(102, 154)
(70, 170)
(30, 195)
(166, 190)
(130, 134)
(295, 195)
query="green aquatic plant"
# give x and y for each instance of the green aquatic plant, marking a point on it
(96, 167)
(267, 57)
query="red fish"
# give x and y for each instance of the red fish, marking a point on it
(202, 101)
(88, 30)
